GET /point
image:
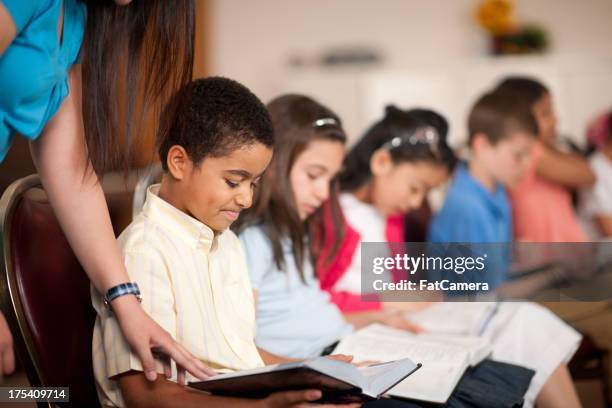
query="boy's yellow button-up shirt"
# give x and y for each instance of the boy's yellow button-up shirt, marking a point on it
(194, 284)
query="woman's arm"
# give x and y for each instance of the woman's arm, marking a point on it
(75, 193)
(78, 201)
(8, 30)
(567, 169)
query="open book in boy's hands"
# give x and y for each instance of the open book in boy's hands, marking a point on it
(338, 381)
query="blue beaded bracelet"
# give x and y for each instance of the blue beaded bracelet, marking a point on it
(129, 288)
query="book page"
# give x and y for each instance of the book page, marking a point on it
(477, 348)
(340, 370)
(459, 318)
(380, 377)
(443, 364)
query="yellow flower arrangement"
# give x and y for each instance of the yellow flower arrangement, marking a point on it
(497, 16)
(507, 36)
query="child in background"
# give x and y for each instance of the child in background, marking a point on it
(541, 201)
(214, 147)
(596, 200)
(416, 222)
(295, 317)
(476, 209)
(387, 173)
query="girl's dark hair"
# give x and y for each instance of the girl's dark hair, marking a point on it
(297, 121)
(134, 58)
(397, 123)
(526, 90)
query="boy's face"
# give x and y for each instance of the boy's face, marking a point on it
(507, 160)
(220, 187)
(403, 186)
(544, 113)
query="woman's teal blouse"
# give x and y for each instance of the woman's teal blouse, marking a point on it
(34, 68)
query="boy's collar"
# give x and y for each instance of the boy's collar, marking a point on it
(496, 200)
(182, 225)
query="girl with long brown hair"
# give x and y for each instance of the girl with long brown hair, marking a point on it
(296, 318)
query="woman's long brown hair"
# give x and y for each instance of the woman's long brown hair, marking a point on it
(134, 58)
(274, 207)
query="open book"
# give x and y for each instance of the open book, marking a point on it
(445, 358)
(460, 318)
(338, 381)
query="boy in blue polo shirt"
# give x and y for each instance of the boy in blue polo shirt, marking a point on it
(477, 208)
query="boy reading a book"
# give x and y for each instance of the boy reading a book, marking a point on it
(215, 142)
(477, 210)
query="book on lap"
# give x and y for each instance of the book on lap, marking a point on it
(337, 380)
(445, 358)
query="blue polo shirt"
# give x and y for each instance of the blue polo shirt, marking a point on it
(472, 214)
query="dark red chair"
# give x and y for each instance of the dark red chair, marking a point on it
(44, 294)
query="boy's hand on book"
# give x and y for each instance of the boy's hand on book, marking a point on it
(298, 399)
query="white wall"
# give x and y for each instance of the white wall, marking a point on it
(251, 40)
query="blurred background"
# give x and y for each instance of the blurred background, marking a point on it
(359, 55)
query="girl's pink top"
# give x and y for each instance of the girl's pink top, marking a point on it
(542, 210)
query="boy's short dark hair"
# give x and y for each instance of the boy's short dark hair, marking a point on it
(211, 117)
(528, 90)
(498, 115)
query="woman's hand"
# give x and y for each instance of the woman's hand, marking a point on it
(7, 357)
(144, 334)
